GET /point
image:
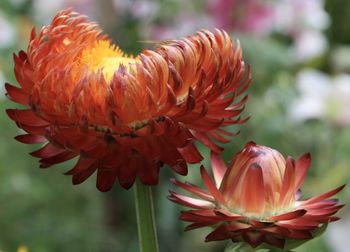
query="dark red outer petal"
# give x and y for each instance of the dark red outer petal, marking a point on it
(64, 156)
(81, 176)
(31, 139)
(190, 153)
(277, 230)
(222, 232)
(127, 174)
(105, 179)
(199, 225)
(274, 241)
(149, 173)
(17, 94)
(26, 117)
(180, 167)
(254, 238)
(49, 150)
(300, 234)
(288, 216)
(82, 164)
(194, 217)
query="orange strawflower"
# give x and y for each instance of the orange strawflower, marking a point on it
(257, 200)
(125, 116)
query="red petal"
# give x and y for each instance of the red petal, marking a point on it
(149, 173)
(222, 232)
(47, 151)
(80, 177)
(274, 241)
(26, 117)
(199, 225)
(82, 164)
(218, 167)
(254, 238)
(17, 94)
(193, 189)
(288, 216)
(300, 234)
(30, 139)
(190, 202)
(202, 137)
(212, 188)
(322, 196)
(324, 211)
(301, 167)
(105, 179)
(127, 173)
(59, 158)
(253, 190)
(191, 154)
(287, 193)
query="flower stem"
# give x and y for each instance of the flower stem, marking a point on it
(146, 226)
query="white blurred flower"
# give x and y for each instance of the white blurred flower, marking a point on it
(304, 21)
(322, 97)
(44, 10)
(338, 235)
(295, 15)
(309, 44)
(143, 9)
(7, 32)
(187, 25)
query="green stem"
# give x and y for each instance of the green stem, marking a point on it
(146, 225)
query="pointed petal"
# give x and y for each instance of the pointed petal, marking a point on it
(31, 139)
(323, 196)
(287, 193)
(288, 216)
(301, 167)
(253, 190)
(218, 167)
(222, 232)
(105, 179)
(254, 238)
(26, 117)
(193, 189)
(211, 186)
(17, 94)
(190, 202)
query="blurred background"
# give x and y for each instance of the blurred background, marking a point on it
(299, 51)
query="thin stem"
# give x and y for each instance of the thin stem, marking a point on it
(146, 226)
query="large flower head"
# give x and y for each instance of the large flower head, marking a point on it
(125, 116)
(257, 200)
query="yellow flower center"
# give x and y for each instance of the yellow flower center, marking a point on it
(106, 57)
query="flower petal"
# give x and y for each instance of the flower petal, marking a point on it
(288, 216)
(218, 167)
(211, 186)
(301, 167)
